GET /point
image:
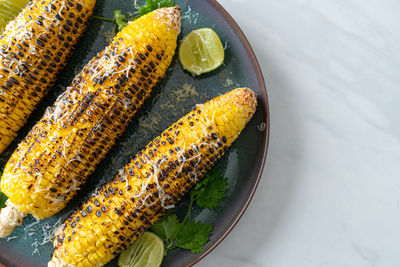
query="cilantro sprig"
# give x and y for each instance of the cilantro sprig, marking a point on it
(210, 191)
(3, 200)
(189, 234)
(120, 20)
(153, 5)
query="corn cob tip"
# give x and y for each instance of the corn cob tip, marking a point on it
(245, 97)
(249, 98)
(10, 217)
(173, 15)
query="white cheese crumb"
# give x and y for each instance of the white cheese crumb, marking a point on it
(228, 82)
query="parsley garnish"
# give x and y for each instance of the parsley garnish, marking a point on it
(120, 20)
(193, 236)
(167, 228)
(190, 234)
(3, 200)
(209, 192)
(153, 5)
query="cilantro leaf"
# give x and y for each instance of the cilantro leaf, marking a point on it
(3, 200)
(119, 19)
(211, 190)
(193, 236)
(153, 5)
(167, 228)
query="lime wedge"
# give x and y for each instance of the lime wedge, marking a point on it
(147, 251)
(9, 10)
(201, 51)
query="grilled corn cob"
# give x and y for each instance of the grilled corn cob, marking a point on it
(33, 49)
(65, 146)
(155, 179)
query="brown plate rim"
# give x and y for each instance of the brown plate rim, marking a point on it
(263, 90)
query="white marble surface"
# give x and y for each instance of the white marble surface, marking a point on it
(330, 193)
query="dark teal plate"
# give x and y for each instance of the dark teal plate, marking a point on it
(29, 245)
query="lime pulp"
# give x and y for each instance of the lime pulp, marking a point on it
(146, 251)
(201, 51)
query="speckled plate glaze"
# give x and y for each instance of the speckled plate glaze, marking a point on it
(243, 164)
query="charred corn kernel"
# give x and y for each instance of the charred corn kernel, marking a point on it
(155, 179)
(34, 47)
(65, 146)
